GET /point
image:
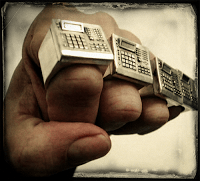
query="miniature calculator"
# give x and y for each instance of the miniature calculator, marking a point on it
(131, 61)
(167, 83)
(69, 42)
(189, 91)
(174, 86)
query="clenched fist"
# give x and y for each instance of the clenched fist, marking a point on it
(69, 123)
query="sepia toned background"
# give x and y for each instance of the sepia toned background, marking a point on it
(169, 31)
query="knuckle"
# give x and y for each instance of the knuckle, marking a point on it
(129, 35)
(128, 113)
(105, 17)
(77, 80)
(74, 93)
(119, 113)
(157, 117)
(120, 103)
(156, 113)
(107, 22)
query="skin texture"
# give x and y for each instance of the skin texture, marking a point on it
(68, 124)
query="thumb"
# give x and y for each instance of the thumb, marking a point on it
(88, 148)
(57, 146)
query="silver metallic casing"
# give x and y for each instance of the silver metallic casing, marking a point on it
(173, 86)
(189, 91)
(69, 42)
(167, 83)
(131, 62)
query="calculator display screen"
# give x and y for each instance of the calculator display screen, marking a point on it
(185, 78)
(127, 45)
(71, 27)
(167, 69)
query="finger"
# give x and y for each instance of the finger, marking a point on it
(120, 103)
(154, 111)
(174, 111)
(136, 127)
(154, 115)
(51, 147)
(73, 94)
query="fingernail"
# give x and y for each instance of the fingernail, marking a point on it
(88, 148)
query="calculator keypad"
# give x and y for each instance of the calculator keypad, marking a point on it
(129, 60)
(194, 100)
(144, 70)
(142, 55)
(74, 41)
(186, 91)
(177, 88)
(94, 34)
(102, 47)
(167, 81)
(78, 41)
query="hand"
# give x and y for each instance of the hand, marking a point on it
(67, 124)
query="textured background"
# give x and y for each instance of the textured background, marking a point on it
(169, 32)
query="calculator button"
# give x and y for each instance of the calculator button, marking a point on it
(73, 39)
